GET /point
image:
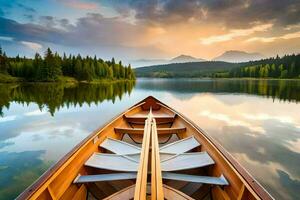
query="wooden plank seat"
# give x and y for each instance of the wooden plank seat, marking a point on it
(180, 146)
(187, 161)
(196, 179)
(165, 175)
(140, 119)
(120, 147)
(139, 131)
(126, 163)
(112, 162)
(124, 148)
(104, 177)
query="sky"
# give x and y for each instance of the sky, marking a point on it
(152, 29)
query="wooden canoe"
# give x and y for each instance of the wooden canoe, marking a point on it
(148, 151)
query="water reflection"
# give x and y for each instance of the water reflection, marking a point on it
(260, 133)
(54, 96)
(263, 134)
(286, 90)
(19, 169)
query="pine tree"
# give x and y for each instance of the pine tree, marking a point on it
(78, 69)
(87, 72)
(3, 61)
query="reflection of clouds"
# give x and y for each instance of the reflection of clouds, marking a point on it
(47, 134)
(264, 116)
(270, 179)
(64, 131)
(8, 118)
(290, 184)
(235, 125)
(18, 170)
(4, 144)
(230, 121)
(294, 145)
(36, 113)
(262, 149)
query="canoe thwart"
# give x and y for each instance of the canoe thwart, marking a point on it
(180, 146)
(187, 161)
(104, 177)
(139, 131)
(112, 162)
(196, 179)
(119, 147)
(141, 119)
(165, 175)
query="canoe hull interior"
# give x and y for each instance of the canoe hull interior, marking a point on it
(107, 163)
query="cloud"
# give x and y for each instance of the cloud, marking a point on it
(29, 17)
(32, 45)
(47, 21)
(156, 25)
(272, 39)
(232, 13)
(93, 30)
(6, 38)
(26, 8)
(29, 31)
(80, 5)
(235, 33)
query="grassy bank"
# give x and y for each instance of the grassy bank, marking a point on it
(6, 78)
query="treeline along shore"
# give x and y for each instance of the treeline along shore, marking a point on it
(52, 67)
(286, 67)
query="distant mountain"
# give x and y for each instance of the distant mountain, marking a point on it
(148, 62)
(185, 58)
(238, 56)
(178, 59)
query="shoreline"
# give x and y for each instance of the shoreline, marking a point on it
(211, 78)
(7, 79)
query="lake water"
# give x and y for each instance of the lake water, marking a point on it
(257, 121)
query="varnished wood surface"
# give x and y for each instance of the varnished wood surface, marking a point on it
(140, 131)
(141, 181)
(156, 174)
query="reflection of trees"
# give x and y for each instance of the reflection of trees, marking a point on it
(54, 95)
(287, 90)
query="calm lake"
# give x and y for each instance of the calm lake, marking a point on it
(257, 121)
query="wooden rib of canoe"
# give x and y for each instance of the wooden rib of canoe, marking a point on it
(149, 151)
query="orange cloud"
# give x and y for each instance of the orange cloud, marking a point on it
(81, 5)
(236, 33)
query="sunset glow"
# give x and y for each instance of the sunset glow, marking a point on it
(150, 29)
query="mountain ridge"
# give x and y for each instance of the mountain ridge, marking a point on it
(231, 56)
(178, 59)
(185, 58)
(236, 56)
